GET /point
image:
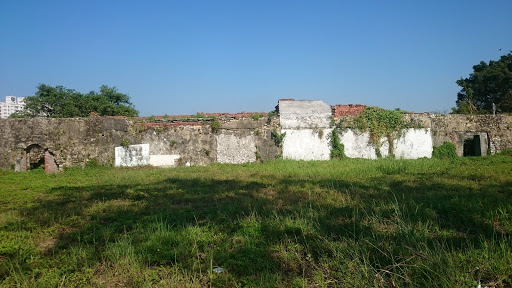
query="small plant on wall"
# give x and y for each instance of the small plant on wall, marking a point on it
(125, 143)
(277, 137)
(215, 125)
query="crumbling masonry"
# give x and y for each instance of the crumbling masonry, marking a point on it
(58, 143)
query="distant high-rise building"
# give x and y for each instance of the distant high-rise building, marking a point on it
(11, 105)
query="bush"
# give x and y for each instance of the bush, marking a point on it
(445, 151)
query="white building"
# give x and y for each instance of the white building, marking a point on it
(11, 105)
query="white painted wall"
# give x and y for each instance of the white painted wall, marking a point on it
(233, 149)
(412, 144)
(357, 144)
(133, 155)
(163, 160)
(306, 144)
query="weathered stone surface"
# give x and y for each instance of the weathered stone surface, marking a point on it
(72, 141)
(75, 141)
(306, 144)
(132, 155)
(233, 149)
(301, 114)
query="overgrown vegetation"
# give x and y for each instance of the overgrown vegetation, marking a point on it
(257, 116)
(380, 123)
(277, 137)
(337, 148)
(383, 223)
(125, 143)
(445, 151)
(215, 125)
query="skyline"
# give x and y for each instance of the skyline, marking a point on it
(232, 56)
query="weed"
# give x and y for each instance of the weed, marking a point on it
(125, 143)
(445, 151)
(277, 137)
(258, 155)
(215, 125)
(271, 115)
(257, 116)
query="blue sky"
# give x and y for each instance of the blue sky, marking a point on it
(183, 57)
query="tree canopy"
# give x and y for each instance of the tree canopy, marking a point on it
(488, 84)
(61, 102)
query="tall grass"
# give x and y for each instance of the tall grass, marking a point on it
(348, 223)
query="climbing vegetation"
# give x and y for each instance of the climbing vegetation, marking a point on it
(337, 148)
(380, 123)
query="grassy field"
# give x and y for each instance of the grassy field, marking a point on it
(349, 223)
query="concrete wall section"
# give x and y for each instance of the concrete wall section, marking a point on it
(413, 144)
(163, 160)
(133, 155)
(304, 114)
(233, 149)
(357, 144)
(306, 144)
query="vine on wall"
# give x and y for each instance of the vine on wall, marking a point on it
(380, 123)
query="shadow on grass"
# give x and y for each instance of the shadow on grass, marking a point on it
(282, 226)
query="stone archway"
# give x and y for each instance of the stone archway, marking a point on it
(35, 156)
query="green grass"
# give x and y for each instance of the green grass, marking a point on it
(349, 223)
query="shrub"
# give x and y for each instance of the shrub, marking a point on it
(215, 125)
(445, 151)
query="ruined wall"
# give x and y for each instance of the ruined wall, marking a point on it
(71, 142)
(57, 143)
(411, 144)
(495, 131)
(306, 124)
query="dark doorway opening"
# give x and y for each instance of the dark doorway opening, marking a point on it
(472, 146)
(35, 156)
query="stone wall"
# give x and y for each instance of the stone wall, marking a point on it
(70, 142)
(58, 143)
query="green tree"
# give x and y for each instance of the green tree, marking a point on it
(488, 84)
(60, 102)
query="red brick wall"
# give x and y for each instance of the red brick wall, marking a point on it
(49, 163)
(347, 110)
